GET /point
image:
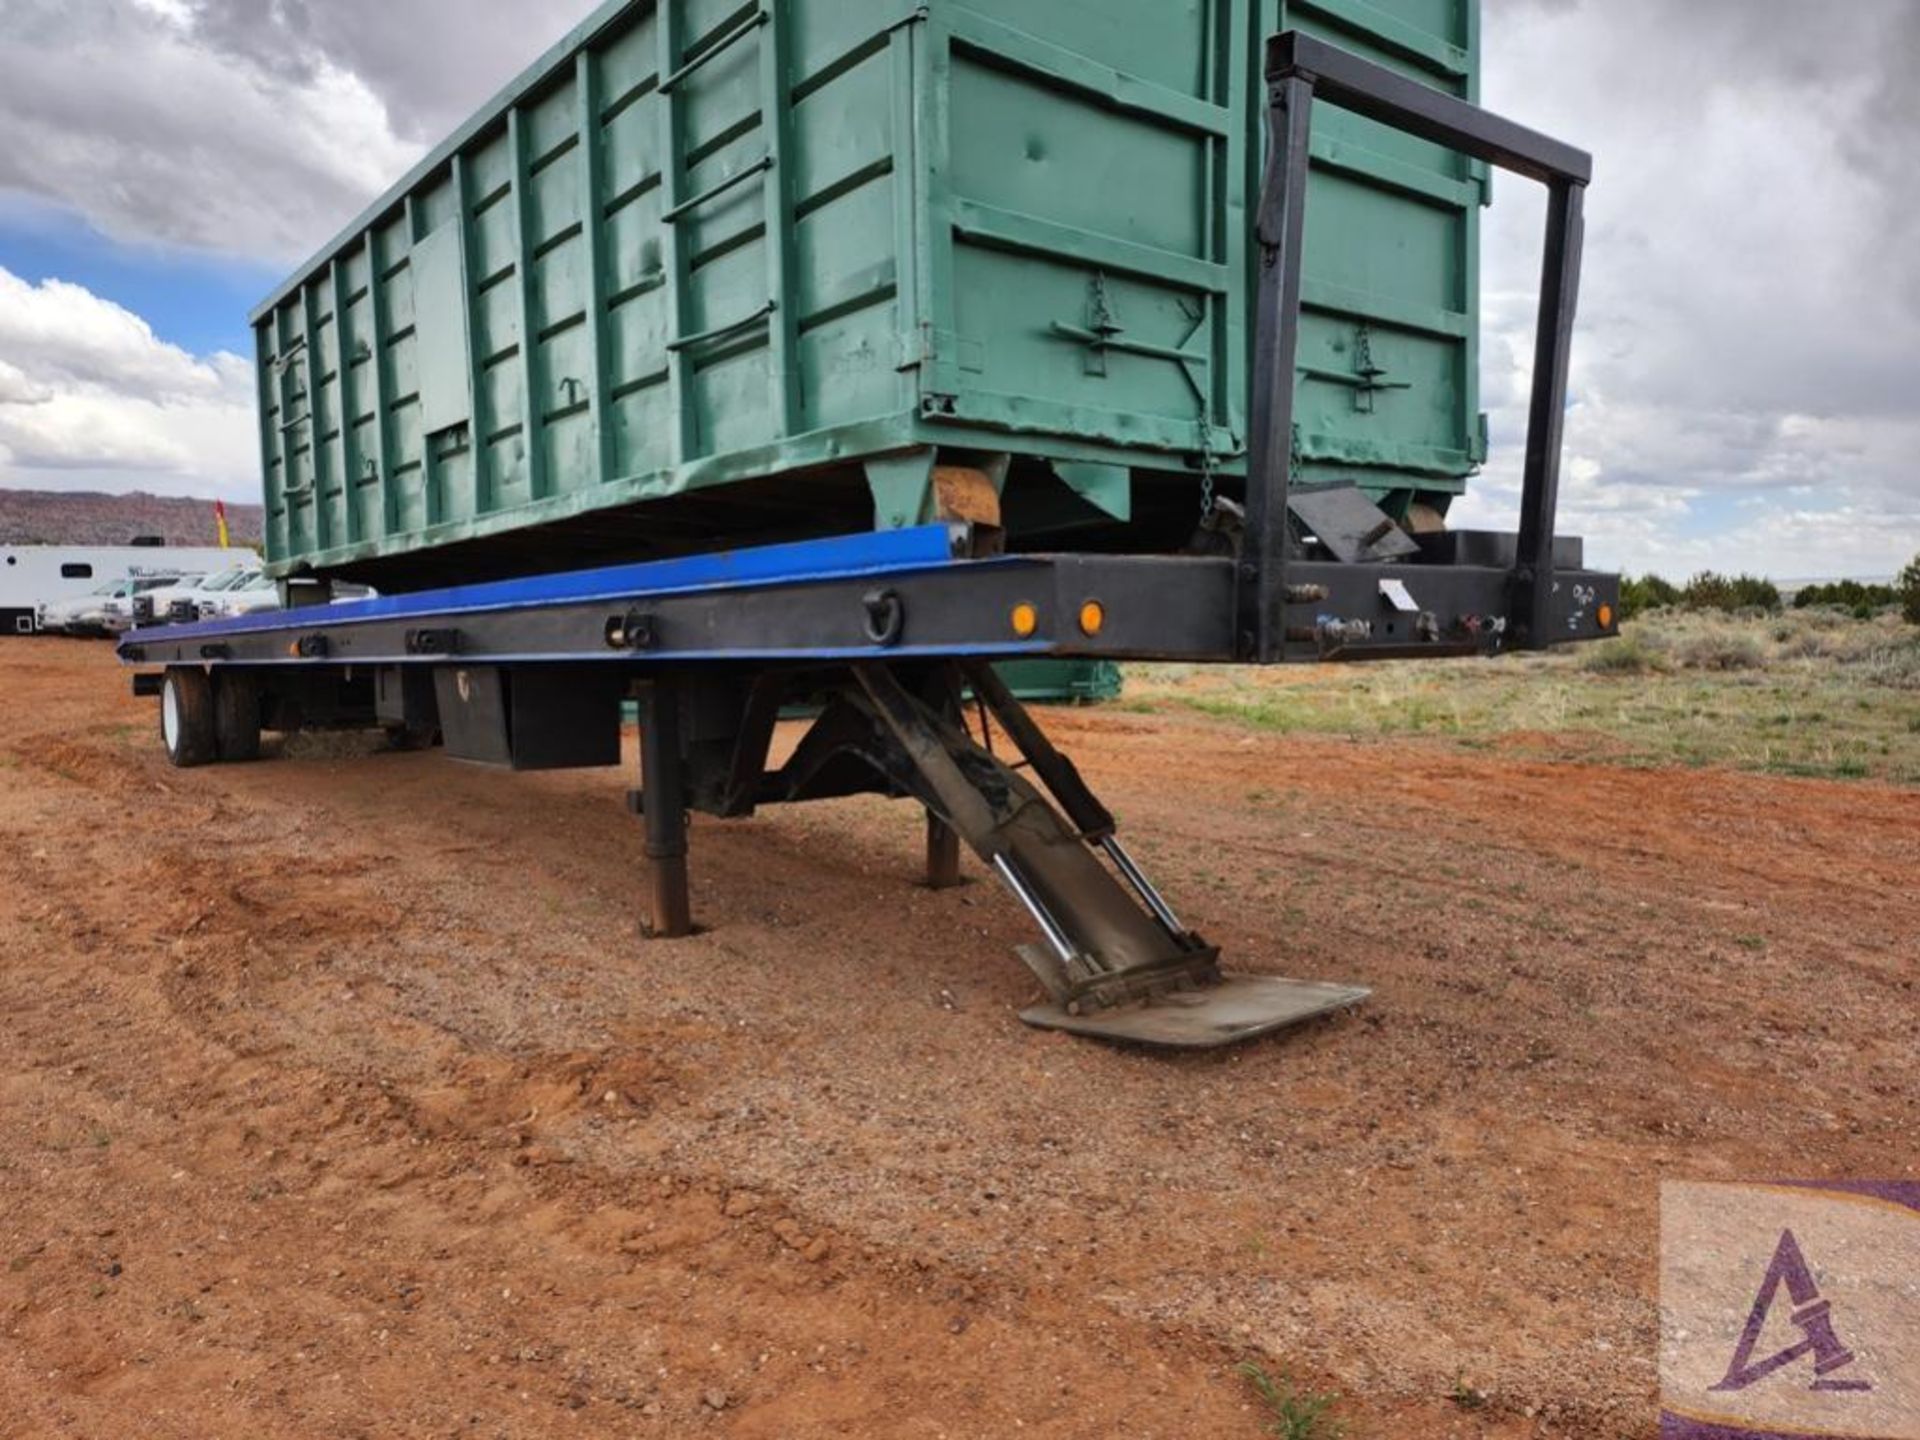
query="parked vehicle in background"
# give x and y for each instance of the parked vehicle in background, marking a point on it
(74, 614)
(156, 601)
(259, 593)
(37, 578)
(253, 596)
(117, 611)
(194, 598)
(106, 610)
(143, 604)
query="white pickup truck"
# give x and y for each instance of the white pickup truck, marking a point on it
(197, 598)
(105, 610)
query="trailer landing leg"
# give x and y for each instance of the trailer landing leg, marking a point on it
(943, 854)
(664, 807)
(1117, 963)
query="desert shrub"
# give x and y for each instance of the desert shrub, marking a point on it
(1721, 650)
(1642, 593)
(1630, 654)
(1908, 588)
(1880, 650)
(1824, 633)
(1896, 666)
(1730, 593)
(1802, 644)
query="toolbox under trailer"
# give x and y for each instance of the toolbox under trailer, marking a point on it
(894, 635)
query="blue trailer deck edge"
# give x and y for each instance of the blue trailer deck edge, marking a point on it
(839, 557)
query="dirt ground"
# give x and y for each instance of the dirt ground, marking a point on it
(340, 1097)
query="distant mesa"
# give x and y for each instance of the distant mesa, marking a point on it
(58, 517)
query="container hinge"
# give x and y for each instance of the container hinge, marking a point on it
(917, 349)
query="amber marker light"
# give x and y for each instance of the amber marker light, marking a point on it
(1025, 619)
(1606, 617)
(1093, 617)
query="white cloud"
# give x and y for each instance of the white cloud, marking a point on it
(71, 334)
(90, 396)
(237, 126)
(222, 126)
(123, 115)
(19, 388)
(1747, 368)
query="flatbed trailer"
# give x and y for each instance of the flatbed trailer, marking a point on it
(893, 635)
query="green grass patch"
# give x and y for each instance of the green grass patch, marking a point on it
(1811, 693)
(1293, 1413)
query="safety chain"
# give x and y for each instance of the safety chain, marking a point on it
(1206, 469)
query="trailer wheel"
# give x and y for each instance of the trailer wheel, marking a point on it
(409, 738)
(186, 717)
(236, 719)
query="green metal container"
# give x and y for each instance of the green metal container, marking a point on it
(1062, 682)
(712, 274)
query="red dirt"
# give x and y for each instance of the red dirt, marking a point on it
(341, 1097)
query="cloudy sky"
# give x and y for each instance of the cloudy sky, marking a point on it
(1747, 385)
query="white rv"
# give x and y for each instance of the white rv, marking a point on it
(34, 576)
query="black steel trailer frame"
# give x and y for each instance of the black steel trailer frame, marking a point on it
(892, 635)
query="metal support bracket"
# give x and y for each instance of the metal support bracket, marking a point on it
(1300, 71)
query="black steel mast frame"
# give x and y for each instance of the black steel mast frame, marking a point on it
(1300, 70)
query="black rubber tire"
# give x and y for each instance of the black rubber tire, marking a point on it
(409, 738)
(236, 719)
(186, 717)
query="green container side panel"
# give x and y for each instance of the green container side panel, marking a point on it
(716, 273)
(1389, 355)
(1062, 682)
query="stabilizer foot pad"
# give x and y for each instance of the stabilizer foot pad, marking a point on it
(1238, 1008)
